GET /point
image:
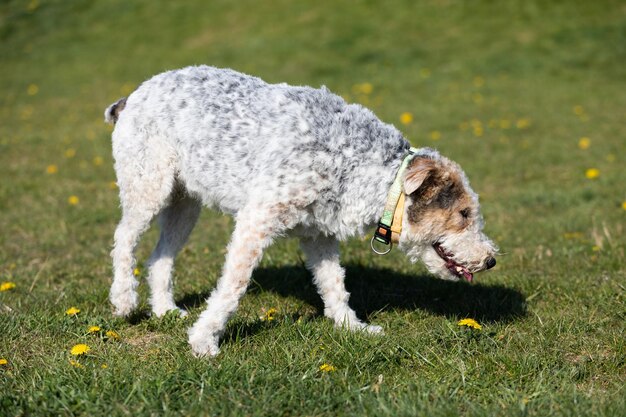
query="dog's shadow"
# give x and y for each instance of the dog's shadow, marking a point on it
(373, 290)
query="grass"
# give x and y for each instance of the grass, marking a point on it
(507, 89)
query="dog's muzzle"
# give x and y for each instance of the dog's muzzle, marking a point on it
(454, 268)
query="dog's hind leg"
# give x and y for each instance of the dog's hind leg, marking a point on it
(322, 255)
(177, 221)
(254, 231)
(145, 185)
(123, 293)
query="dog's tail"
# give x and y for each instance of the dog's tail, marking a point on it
(112, 113)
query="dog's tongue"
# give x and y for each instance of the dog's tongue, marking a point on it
(468, 275)
(452, 266)
(462, 271)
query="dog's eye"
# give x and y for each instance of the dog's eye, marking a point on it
(465, 213)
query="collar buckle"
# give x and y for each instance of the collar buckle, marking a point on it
(383, 233)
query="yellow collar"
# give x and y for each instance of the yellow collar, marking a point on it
(396, 225)
(390, 223)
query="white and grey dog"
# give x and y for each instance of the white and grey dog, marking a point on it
(282, 160)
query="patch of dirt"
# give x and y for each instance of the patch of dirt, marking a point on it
(144, 339)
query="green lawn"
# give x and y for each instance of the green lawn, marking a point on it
(529, 97)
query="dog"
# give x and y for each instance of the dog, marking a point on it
(284, 161)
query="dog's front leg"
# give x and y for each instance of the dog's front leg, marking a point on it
(253, 232)
(322, 255)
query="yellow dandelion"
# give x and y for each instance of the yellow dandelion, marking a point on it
(126, 89)
(3, 362)
(97, 161)
(578, 110)
(327, 368)
(136, 272)
(32, 6)
(70, 152)
(479, 81)
(52, 169)
(73, 200)
(595, 248)
(112, 335)
(112, 185)
(470, 323)
(93, 329)
(363, 88)
(505, 124)
(6, 286)
(573, 235)
(27, 112)
(592, 173)
(269, 314)
(435, 135)
(75, 364)
(104, 366)
(478, 131)
(80, 349)
(72, 311)
(425, 73)
(624, 205)
(522, 123)
(32, 89)
(477, 98)
(584, 143)
(406, 118)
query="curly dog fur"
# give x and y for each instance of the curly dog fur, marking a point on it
(282, 160)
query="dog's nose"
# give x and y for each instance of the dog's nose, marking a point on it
(491, 262)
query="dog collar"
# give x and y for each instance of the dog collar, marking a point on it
(390, 224)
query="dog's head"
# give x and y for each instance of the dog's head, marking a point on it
(442, 224)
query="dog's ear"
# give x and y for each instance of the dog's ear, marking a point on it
(417, 172)
(425, 177)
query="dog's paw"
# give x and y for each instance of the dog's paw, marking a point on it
(359, 326)
(160, 312)
(124, 304)
(203, 345)
(373, 329)
(207, 352)
(124, 309)
(124, 297)
(201, 349)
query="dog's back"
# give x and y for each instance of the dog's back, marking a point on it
(232, 137)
